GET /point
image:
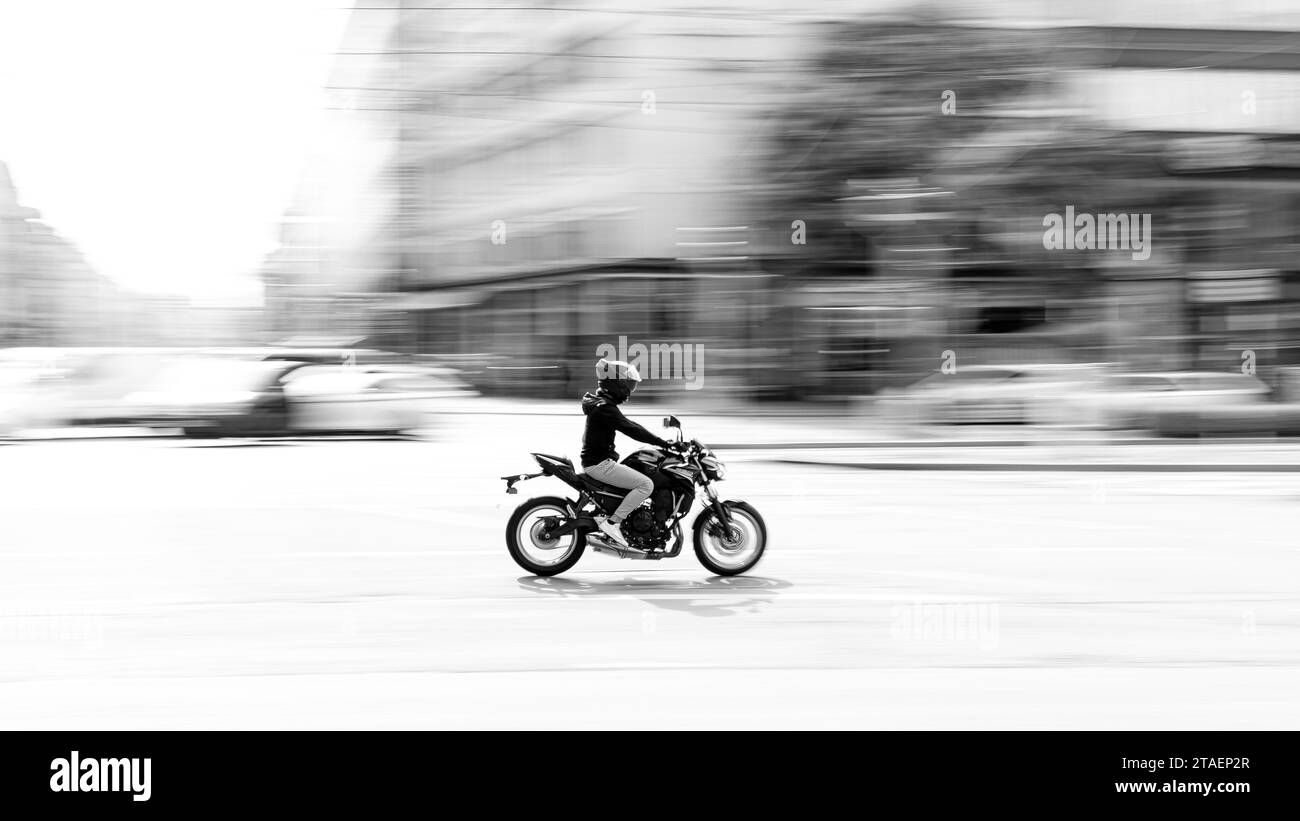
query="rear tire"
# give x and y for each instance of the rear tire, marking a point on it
(525, 543)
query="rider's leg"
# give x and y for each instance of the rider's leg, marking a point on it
(638, 485)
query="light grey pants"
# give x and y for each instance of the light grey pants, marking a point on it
(639, 485)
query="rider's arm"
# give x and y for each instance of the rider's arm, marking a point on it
(635, 431)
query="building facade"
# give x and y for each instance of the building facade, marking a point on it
(509, 189)
(49, 294)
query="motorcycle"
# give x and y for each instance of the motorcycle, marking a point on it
(548, 534)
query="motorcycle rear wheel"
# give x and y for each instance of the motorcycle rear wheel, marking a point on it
(527, 541)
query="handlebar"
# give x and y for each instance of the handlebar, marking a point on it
(681, 446)
(686, 446)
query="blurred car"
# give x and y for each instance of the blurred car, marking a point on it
(446, 380)
(58, 387)
(314, 356)
(523, 375)
(211, 396)
(365, 399)
(98, 382)
(1248, 419)
(18, 385)
(1288, 383)
(987, 394)
(1136, 400)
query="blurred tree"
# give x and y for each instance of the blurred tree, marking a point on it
(884, 99)
(913, 147)
(919, 115)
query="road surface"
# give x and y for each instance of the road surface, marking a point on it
(162, 584)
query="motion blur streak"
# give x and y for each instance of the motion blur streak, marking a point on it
(992, 308)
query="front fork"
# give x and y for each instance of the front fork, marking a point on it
(721, 511)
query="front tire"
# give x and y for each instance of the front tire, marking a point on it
(531, 549)
(732, 553)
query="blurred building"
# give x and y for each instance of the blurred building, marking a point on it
(49, 294)
(509, 188)
(1185, 114)
(560, 177)
(334, 260)
(1217, 88)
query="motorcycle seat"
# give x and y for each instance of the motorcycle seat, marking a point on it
(559, 460)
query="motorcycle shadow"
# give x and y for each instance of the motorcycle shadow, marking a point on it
(712, 597)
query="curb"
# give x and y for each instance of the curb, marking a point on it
(1035, 467)
(1010, 443)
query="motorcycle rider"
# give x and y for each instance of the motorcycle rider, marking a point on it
(616, 382)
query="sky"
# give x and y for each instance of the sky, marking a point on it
(165, 138)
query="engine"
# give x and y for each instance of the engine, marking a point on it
(647, 526)
(644, 530)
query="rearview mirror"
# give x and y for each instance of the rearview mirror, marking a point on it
(671, 422)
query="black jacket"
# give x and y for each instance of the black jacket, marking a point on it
(603, 418)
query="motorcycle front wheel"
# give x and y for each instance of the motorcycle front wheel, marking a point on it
(734, 550)
(531, 543)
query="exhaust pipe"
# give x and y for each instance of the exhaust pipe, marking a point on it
(601, 546)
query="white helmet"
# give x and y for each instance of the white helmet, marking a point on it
(618, 379)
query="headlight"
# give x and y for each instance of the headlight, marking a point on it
(713, 468)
